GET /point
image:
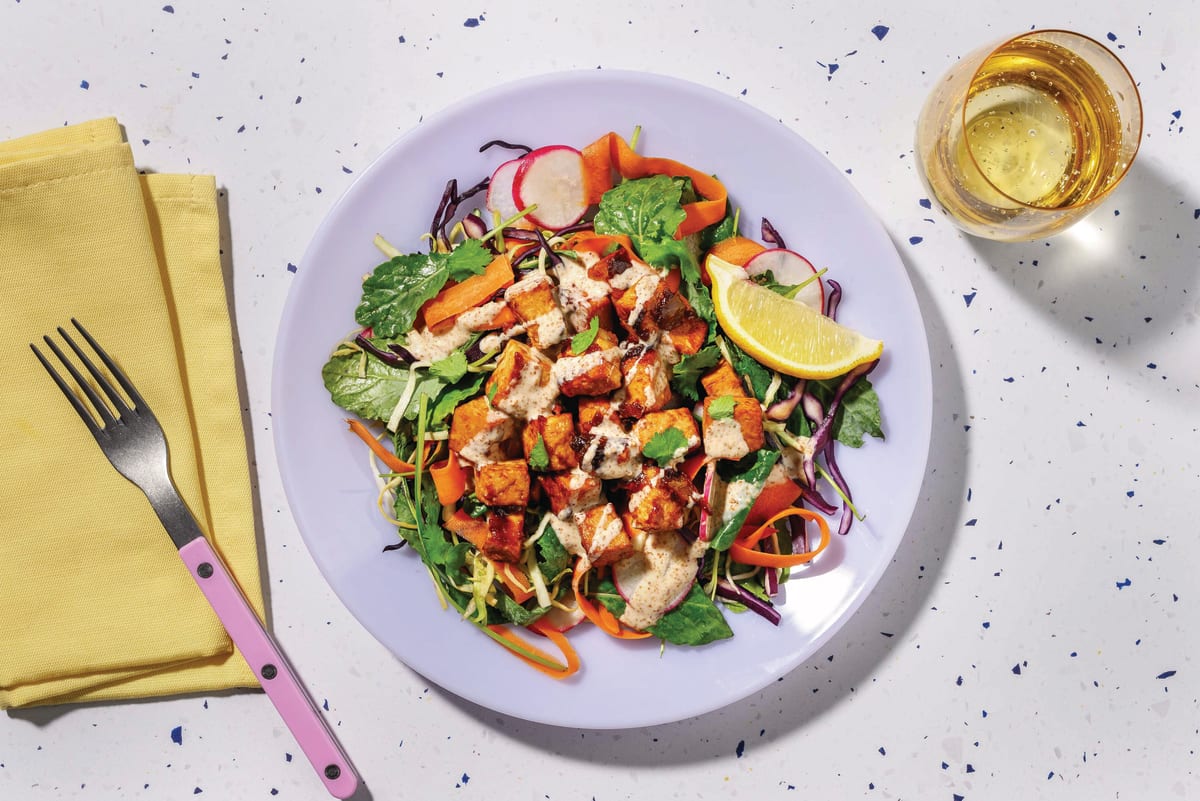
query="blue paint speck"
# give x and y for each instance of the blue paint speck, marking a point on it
(84, 84)
(1123, 584)
(1129, 493)
(177, 735)
(968, 298)
(1016, 669)
(325, 705)
(1177, 113)
(465, 778)
(925, 204)
(402, 40)
(916, 240)
(291, 268)
(986, 624)
(1151, 366)
(287, 757)
(472, 22)
(1112, 37)
(347, 170)
(880, 31)
(195, 75)
(971, 522)
(1166, 674)
(882, 752)
(741, 748)
(169, 9)
(197, 791)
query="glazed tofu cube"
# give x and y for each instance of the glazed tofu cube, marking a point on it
(532, 300)
(556, 432)
(660, 500)
(734, 435)
(593, 412)
(723, 381)
(522, 385)
(479, 433)
(647, 382)
(639, 307)
(610, 452)
(570, 492)
(619, 269)
(506, 535)
(688, 336)
(503, 483)
(582, 297)
(657, 422)
(595, 371)
(603, 535)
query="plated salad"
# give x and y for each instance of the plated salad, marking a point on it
(592, 400)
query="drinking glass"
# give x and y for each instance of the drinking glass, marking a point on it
(1024, 137)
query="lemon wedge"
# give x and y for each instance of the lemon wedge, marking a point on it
(784, 334)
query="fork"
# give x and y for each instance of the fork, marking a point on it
(130, 436)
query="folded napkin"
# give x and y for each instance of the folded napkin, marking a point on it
(95, 603)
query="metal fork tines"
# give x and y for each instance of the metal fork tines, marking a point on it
(125, 429)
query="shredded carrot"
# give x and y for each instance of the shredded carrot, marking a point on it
(600, 244)
(558, 638)
(742, 550)
(562, 671)
(736, 250)
(514, 578)
(473, 530)
(773, 499)
(611, 152)
(390, 459)
(603, 618)
(450, 480)
(458, 298)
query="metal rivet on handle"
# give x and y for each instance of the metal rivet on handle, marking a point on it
(269, 671)
(332, 772)
(204, 570)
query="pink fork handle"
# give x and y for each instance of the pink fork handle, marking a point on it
(282, 686)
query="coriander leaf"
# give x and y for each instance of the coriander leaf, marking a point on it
(666, 446)
(394, 293)
(857, 415)
(473, 506)
(749, 481)
(584, 339)
(552, 557)
(539, 457)
(696, 621)
(451, 368)
(721, 408)
(646, 209)
(450, 399)
(373, 394)
(513, 612)
(686, 373)
(492, 389)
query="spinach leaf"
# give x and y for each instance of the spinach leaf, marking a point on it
(696, 621)
(857, 415)
(552, 557)
(394, 293)
(648, 210)
(606, 594)
(718, 231)
(752, 470)
(372, 395)
(513, 612)
(686, 373)
(746, 365)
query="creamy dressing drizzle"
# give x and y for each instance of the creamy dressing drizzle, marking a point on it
(617, 444)
(568, 368)
(655, 577)
(606, 532)
(723, 438)
(528, 396)
(578, 292)
(427, 346)
(483, 448)
(643, 291)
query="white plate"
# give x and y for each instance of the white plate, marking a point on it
(768, 170)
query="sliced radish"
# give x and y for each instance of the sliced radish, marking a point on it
(710, 478)
(656, 579)
(500, 189)
(552, 179)
(562, 620)
(789, 269)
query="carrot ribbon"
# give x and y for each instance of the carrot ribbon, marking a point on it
(743, 551)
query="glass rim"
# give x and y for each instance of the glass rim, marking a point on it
(1137, 97)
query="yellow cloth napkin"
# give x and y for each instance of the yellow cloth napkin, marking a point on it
(95, 603)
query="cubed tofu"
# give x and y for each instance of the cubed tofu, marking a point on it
(522, 384)
(481, 434)
(503, 483)
(603, 535)
(571, 491)
(722, 380)
(506, 535)
(688, 336)
(647, 383)
(657, 422)
(581, 297)
(734, 436)
(610, 452)
(532, 300)
(638, 308)
(556, 432)
(593, 412)
(660, 500)
(595, 371)
(619, 269)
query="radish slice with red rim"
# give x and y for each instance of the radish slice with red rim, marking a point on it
(500, 196)
(657, 579)
(790, 268)
(551, 178)
(562, 620)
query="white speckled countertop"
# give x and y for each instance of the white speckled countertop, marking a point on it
(1030, 639)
